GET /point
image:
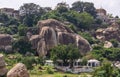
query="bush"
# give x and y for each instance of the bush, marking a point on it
(114, 42)
(49, 70)
(36, 70)
(22, 45)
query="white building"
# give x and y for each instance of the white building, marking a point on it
(49, 62)
(93, 63)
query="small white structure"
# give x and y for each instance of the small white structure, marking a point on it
(93, 63)
(49, 62)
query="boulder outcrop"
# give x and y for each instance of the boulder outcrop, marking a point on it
(5, 42)
(3, 69)
(19, 70)
(52, 33)
(111, 32)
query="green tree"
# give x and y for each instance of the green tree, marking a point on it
(4, 18)
(88, 7)
(80, 20)
(22, 30)
(62, 7)
(30, 13)
(28, 20)
(65, 53)
(86, 21)
(22, 45)
(106, 70)
(30, 8)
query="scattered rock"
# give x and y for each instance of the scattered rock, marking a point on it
(19, 70)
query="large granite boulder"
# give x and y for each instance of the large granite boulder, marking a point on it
(3, 69)
(111, 32)
(19, 70)
(52, 33)
(5, 42)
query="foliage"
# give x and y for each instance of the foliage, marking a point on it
(49, 70)
(36, 70)
(65, 53)
(62, 7)
(114, 42)
(106, 70)
(29, 61)
(109, 53)
(86, 21)
(12, 29)
(5, 20)
(30, 13)
(88, 7)
(80, 20)
(22, 29)
(22, 46)
(88, 37)
(30, 8)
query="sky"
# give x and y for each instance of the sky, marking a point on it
(112, 6)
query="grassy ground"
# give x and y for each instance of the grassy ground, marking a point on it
(38, 70)
(62, 75)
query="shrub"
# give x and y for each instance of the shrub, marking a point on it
(49, 71)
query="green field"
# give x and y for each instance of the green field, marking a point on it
(62, 75)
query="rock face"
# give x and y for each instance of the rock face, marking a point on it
(5, 42)
(3, 69)
(19, 70)
(112, 32)
(52, 33)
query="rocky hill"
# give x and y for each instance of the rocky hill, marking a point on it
(52, 33)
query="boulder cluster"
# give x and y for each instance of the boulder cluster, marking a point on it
(111, 32)
(52, 33)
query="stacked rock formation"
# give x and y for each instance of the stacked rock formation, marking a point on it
(19, 70)
(3, 69)
(52, 33)
(111, 32)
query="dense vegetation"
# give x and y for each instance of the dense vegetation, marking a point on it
(80, 17)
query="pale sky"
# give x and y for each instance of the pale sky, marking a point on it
(112, 6)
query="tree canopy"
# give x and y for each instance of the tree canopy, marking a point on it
(80, 7)
(65, 53)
